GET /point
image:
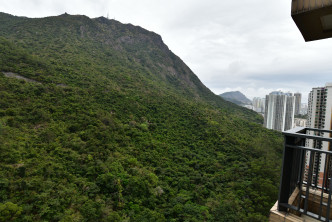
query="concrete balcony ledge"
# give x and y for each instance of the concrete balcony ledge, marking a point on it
(277, 216)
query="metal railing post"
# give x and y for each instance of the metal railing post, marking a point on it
(287, 165)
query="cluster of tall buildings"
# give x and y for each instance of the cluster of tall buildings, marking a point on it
(280, 109)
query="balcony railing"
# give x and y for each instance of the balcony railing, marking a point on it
(306, 180)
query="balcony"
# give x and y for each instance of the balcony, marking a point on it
(313, 18)
(306, 179)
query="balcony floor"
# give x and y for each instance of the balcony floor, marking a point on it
(277, 216)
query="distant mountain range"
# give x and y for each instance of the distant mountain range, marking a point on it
(236, 97)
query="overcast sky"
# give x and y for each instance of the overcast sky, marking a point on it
(249, 45)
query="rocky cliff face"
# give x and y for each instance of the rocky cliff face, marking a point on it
(101, 38)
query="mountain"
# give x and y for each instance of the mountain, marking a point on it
(100, 121)
(236, 97)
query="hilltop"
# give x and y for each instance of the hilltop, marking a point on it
(236, 97)
(100, 121)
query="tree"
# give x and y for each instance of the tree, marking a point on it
(9, 211)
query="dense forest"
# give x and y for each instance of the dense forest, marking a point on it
(100, 121)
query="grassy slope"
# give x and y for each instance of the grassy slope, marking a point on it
(130, 134)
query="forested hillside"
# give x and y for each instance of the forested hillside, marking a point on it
(100, 121)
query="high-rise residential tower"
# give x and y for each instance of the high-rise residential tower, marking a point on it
(298, 97)
(279, 111)
(258, 104)
(319, 116)
(319, 107)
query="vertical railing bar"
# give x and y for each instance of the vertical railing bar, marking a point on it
(312, 154)
(321, 197)
(300, 180)
(318, 155)
(329, 202)
(309, 6)
(315, 170)
(295, 169)
(292, 173)
(285, 178)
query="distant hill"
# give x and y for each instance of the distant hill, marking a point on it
(236, 97)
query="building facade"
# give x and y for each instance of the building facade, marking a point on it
(279, 111)
(258, 104)
(298, 122)
(319, 116)
(298, 97)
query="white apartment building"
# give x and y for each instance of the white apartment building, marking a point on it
(298, 122)
(279, 111)
(319, 116)
(298, 97)
(258, 104)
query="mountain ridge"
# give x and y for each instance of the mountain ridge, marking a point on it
(113, 40)
(172, 69)
(236, 97)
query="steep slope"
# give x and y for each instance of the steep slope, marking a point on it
(76, 42)
(116, 127)
(236, 97)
